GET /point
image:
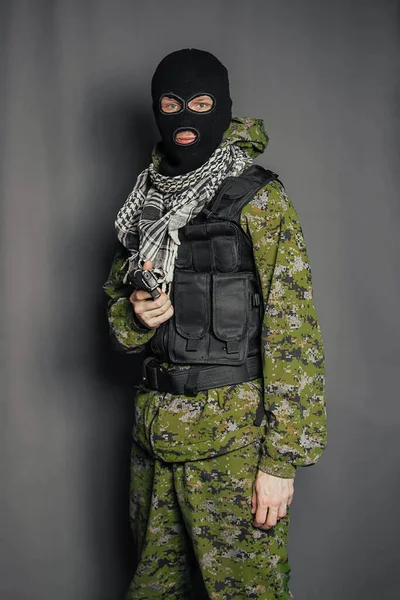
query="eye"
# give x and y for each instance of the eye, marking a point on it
(170, 105)
(202, 103)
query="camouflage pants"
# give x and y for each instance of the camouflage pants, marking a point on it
(202, 509)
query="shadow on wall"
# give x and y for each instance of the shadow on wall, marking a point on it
(117, 135)
(123, 135)
(121, 139)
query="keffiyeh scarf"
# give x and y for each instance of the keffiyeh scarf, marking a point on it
(159, 205)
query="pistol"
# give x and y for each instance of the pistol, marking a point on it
(145, 280)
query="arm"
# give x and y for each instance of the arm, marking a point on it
(127, 332)
(293, 353)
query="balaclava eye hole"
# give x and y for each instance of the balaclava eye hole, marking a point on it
(185, 75)
(203, 95)
(180, 101)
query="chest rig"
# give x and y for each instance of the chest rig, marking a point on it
(217, 298)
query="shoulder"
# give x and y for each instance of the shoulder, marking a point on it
(271, 202)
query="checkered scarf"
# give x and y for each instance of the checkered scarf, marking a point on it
(159, 205)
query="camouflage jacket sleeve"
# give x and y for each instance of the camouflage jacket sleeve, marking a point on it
(293, 352)
(127, 334)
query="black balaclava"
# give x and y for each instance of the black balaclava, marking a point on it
(186, 74)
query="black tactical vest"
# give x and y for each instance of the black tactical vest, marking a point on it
(216, 294)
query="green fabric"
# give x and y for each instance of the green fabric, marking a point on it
(294, 361)
(178, 428)
(247, 133)
(192, 509)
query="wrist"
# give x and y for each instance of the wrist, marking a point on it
(278, 468)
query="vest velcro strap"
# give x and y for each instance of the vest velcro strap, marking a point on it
(198, 378)
(232, 346)
(192, 345)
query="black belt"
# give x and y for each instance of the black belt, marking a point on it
(198, 377)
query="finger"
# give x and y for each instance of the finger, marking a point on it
(271, 518)
(149, 305)
(261, 514)
(139, 295)
(152, 314)
(148, 315)
(253, 503)
(282, 510)
(147, 265)
(158, 320)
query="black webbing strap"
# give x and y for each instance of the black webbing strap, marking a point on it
(198, 378)
(241, 188)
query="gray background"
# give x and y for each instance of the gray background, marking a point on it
(76, 127)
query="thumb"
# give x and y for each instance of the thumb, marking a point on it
(147, 265)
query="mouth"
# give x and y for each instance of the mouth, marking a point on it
(184, 137)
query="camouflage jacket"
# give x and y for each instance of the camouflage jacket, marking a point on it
(179, 428)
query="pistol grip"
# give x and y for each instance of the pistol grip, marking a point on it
(155, 294)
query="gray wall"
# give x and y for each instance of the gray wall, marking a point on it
(76, 127)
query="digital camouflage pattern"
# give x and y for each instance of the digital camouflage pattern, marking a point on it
(191, 434)
(205, 506)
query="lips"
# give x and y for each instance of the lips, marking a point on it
(184, 137)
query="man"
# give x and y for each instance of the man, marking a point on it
(232, 399)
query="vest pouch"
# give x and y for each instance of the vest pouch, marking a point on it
(231, 305)
(213, 246)
(188, 340)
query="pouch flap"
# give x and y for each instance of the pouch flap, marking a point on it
(191, 308)
(231, 301)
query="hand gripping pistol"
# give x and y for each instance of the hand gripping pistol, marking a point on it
(145, 280)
